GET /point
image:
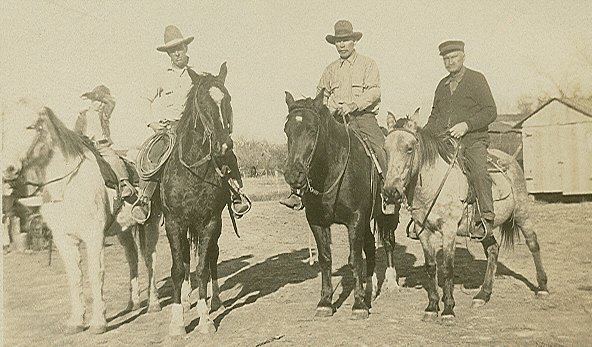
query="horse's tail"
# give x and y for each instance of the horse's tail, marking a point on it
(510, 232)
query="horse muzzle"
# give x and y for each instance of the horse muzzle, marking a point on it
(295, 178)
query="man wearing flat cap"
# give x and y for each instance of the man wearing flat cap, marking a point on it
(352, 91)
(464, 107)
(94, 124)
(165, 106)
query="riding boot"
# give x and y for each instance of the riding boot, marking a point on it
(484, 228)
(239, 207)
(127, 189)
(142, 206)
(293, 201)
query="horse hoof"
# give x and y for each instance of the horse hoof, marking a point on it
(429, 316)
(153, 308)
(360, 314)
(176, 330)
(478, 303)
(73, 329)
(98, 329)
(206, 328)
(448, 320)
(323, 312)
(541, 294)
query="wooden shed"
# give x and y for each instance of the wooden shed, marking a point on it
(557, 148)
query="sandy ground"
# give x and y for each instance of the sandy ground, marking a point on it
(270, 292)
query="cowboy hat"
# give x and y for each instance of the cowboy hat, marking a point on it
(172, 38)
(344, 30)
(99, 93)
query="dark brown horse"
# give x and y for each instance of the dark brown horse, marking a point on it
(194, 194)
(328, 162)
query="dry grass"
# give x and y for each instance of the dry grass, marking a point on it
(268, 188)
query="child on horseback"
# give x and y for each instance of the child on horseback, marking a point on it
(93, 123)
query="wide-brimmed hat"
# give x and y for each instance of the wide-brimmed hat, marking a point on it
(344, 30)
(99, 93)
(172, 38)
(451, 46)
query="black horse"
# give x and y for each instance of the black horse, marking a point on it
(329, 163)
(194, 193)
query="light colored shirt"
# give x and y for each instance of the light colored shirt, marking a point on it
(94, 130)
(168, 100)
(355, 79)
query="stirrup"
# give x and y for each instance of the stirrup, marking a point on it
(297, 207)
(136, 204)
(249, 204)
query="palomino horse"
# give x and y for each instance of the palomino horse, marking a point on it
(194, 193)
(417, 167)
(328, 162)
(77, 206)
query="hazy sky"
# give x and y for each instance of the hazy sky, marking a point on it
(56, 50)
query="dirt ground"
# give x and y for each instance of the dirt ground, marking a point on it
(270, 292)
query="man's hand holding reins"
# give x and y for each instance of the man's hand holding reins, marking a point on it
(346, 108)
(459, 130)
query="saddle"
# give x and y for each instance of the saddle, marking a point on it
(501, 189)
(107, 172)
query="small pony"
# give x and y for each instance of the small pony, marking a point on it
(417, 163)
(77, 206)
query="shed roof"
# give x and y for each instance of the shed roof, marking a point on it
(583, 106)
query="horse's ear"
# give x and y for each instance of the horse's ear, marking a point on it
(319, 99)
(415, 116)
(289, 99)
(391, 115)
(223, 72)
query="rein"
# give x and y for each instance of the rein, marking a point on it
(308, 163)
(39, 186)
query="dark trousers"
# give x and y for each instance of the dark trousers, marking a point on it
(367, 125)
(476, 159)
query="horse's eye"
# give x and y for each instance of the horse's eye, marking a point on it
(409, 149)
(32, 127)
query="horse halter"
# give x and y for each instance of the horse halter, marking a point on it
(308, 161)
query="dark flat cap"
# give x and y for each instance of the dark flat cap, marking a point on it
(451, 46)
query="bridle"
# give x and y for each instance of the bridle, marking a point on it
(25, 166)
(308, 162)
(409, 163)
(439, 190)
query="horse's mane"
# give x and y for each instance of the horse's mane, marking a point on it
(199, 99)
(431, 145)
(69, 142)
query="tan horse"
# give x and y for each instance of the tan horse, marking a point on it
(417, 164)
(77, 206)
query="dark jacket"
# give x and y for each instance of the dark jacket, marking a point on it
(471, 102)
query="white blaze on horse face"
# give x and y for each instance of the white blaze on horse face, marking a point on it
(298, 119)
(17, 134)
(217, 95)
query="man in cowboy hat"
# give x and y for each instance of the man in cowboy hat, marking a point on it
(164, 109)
(352, 91)
(94, 124)
(464, 107)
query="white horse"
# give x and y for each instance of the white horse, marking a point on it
(77, 207)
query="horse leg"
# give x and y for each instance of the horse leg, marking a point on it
(148, 239)
(323, 240)
(215, 302)
(491, 248)
(448, 247)
(431, 286)
(176, 235)
(126, 239)
(96, 273)
(186, 286)
(526, 226)
(357, 235)
(386, 228)
(370, 253)
(69, 249)
(205, 239)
